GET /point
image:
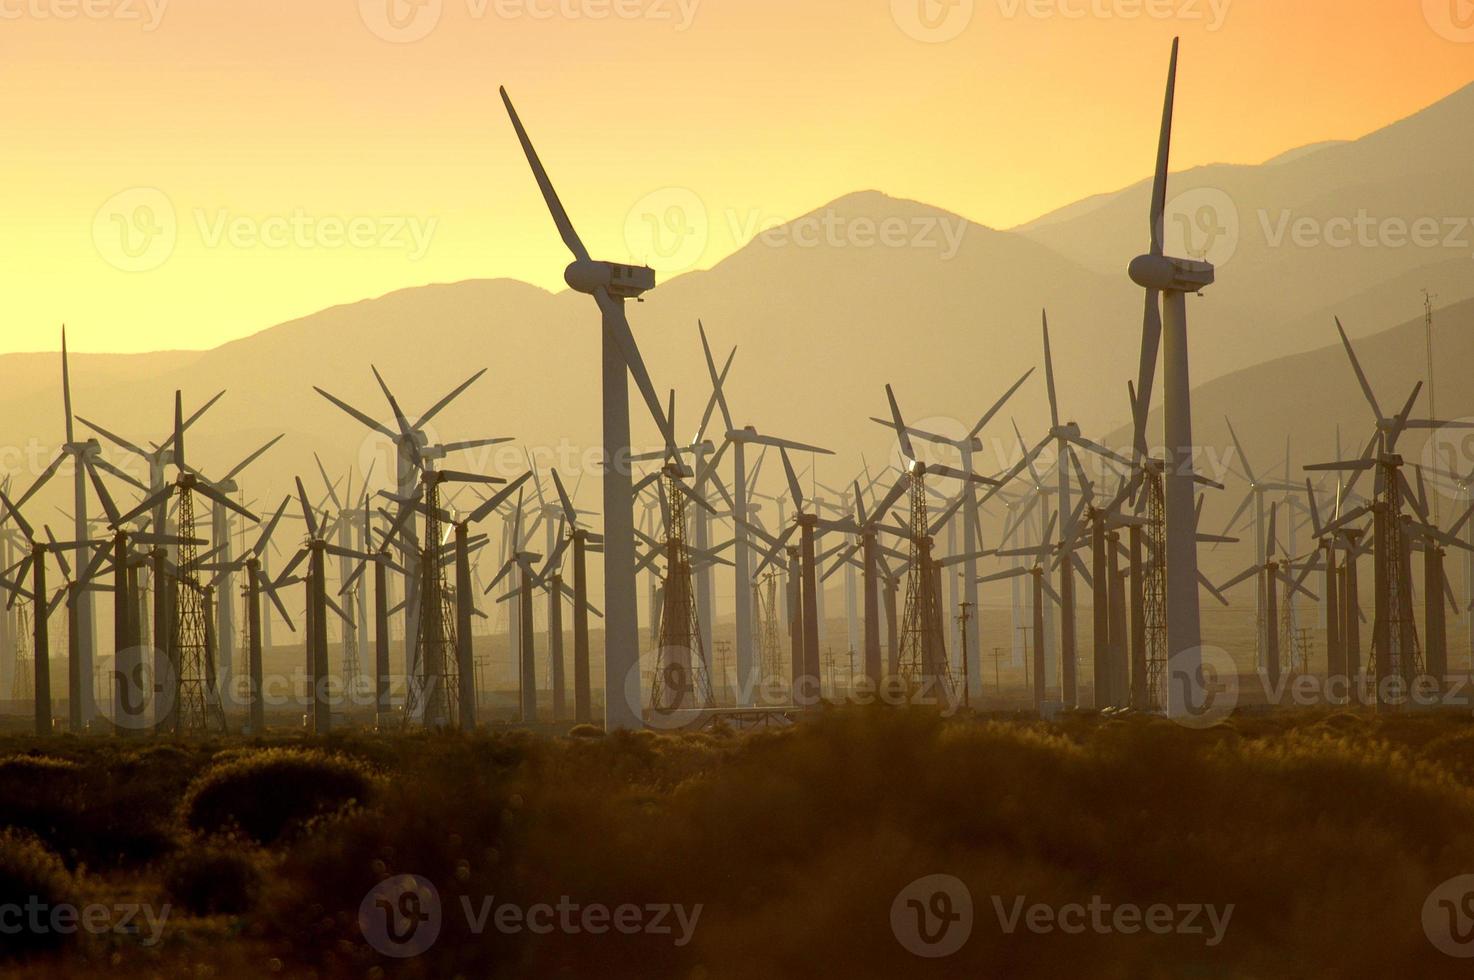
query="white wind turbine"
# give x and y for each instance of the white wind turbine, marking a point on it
(1167, 282)
(611, 284)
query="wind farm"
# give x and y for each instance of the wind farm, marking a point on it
(885, 593)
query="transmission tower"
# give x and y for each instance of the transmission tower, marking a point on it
(433, 690)
(23, 681)
(352, 673)
(923, 660)
(770, 647)
(680, 679)
(197, 709)
(1155, 591)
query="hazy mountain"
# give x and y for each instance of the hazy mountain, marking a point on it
(1301, 219)
(826, 311)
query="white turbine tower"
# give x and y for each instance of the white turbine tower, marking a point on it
(1167, 282)
(611, 284)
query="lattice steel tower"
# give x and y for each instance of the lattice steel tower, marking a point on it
(23, 680)
(923, 660)
(1395, 648)
(1155, 591)
(197, 708)
(435, 682)
(770, 641)
(680, 678)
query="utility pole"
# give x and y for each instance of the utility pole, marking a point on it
(997, 674)
(963, 618)
(1428, 299)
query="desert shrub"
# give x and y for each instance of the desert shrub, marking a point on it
(214, 878)
(586, 731)
(270, 794)
(31, 873)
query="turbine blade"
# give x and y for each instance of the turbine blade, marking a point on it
(1164, 157)
(1361, 378)
(454, 394)
(618, 328)
(378, 427)
(550, 196)
(1049, 375)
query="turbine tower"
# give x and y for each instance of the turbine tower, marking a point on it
(1167, 282)
(611, 284)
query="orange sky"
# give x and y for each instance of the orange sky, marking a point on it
(285, 156)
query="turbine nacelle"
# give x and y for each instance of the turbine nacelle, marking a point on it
(622, 281)
(1171, 275)
(88, 448)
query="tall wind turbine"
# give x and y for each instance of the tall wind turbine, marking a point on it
(611, 284)
(1167, 282)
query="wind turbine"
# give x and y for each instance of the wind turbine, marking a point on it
(610, 284)
(413, 454)
(967, 448)
(1394, 634)
(748, 665)
(1039, 572)
(526, 649)
(583, 542)
(186, 653)
(1268, 574)
(1255, 496)
(867, 527)
(1167, 282)
(83, 454)
(256, 585)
